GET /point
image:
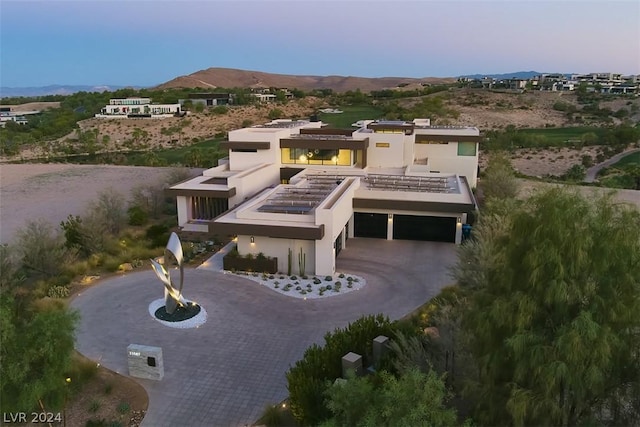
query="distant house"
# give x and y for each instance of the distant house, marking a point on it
(517, 84)
(136, 107)
(264, 97)
(208, 99)
(6, 115)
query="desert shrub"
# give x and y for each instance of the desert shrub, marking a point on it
(275, 113)
(157, 234)
(587, 161)
(40, 249)
(111, 263)
(123, 407)
(58, 292)
(575, 173)
(220, 109)
(109, 207)
(308, 379)
(273, 416)
(137, 215)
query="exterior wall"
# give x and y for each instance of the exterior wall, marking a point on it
(239, 160)
(334, 213)
(444, 158)
(184, 208)
(386, 157)
(460, 165)
(280, 248)
(125, 109)
(248, 184)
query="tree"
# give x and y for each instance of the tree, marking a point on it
(36, 352)
(413, 399)
(499, 180)
(40, 249)
(110, 209)
(553, 321)
(36, 343)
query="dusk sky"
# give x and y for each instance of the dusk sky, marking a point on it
(145, 43)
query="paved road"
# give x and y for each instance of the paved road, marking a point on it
(592, 172)
(226, 371)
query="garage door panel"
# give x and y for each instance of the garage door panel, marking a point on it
(431, 228)
(370, 225)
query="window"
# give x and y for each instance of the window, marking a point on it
(382, 145)
(466, 148)
(314, 156)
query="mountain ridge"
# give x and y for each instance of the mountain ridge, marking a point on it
(215, 77)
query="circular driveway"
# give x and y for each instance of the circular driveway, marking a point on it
(225, 372)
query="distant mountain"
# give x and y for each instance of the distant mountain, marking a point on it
(212, 78)
(514, 75)
(7, 92)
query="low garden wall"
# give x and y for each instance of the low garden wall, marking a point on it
(235, 262)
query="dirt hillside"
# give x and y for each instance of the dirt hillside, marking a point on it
(229, 78)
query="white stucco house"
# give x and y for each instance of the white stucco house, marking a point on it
(136, 107)
(300, 186)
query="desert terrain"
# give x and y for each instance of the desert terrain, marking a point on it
(51, 192)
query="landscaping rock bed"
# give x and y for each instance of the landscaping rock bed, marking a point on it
(306, 287)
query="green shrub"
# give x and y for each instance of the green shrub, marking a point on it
(272, 416)
(220, 110)
(137, 215)
(275, 113)
(58, 292)
(328, 278)
(308, 379)
(123, 408)
(157, 234)
(111, 264)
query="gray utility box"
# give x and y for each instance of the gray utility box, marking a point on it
(145, 362)
(351, 361)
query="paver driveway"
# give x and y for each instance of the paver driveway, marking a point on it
(226, 371)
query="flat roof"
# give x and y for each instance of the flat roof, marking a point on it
(283, 124)
(299, 199)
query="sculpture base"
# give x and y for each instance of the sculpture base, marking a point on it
(180, 314)
(195, 320)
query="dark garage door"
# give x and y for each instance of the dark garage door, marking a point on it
(370, 225)
(433, 228)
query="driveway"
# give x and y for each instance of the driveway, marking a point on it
(225, 372)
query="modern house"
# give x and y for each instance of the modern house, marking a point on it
(135, 107)
(208, 99)
(299, 186)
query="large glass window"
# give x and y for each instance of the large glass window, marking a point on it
(466, 148)
(311, 156)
